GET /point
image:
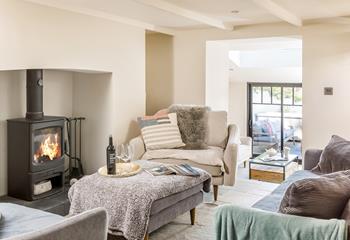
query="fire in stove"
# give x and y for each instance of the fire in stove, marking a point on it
(48, 147)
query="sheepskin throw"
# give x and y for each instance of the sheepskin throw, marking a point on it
(193, 125)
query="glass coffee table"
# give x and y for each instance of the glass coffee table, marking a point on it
(270, 169)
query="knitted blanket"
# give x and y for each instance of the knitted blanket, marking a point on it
(128, 201)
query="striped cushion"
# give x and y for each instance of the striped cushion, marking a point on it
(160, 132)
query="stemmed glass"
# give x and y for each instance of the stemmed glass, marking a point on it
(126, 153)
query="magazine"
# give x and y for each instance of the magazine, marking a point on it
(181, 169)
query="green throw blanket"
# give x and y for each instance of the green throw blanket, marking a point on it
(237, 223)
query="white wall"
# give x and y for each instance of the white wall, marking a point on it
(237, 112)
(190, 56)
(325, 63)
(281, 75)
(217, 75)
(36, 36)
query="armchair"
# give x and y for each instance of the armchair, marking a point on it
(235, 151)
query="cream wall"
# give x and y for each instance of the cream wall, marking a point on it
(190, 56)
(217, 75)
(237, 104)
(35, 36)
(159, 72)
(325, 63)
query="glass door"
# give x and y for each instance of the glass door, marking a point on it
(275, 116)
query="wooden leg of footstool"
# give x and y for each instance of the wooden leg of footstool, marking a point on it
(193, 216)
(146, 236)
(215, 189)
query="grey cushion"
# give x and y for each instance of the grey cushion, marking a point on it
(335, 156)
(217, 128)
(193, 125)
(346, 213)
(323, 197)
(346, 216)
(272, 201)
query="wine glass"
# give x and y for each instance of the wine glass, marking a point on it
(118, 153)
(126, 154)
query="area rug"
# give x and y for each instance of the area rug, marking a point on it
(245, 193)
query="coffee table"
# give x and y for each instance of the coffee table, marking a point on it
(270, 169)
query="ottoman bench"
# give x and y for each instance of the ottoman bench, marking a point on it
(140, 204)
(166, 209)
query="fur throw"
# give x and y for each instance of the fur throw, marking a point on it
(193, 125)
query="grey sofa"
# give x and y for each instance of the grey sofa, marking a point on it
(272, 202)
(22, 223)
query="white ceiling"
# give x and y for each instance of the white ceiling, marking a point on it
(184, 14)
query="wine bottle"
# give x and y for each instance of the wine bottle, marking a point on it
(111, 157)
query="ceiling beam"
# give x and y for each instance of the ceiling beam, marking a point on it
(104, 15)
(280, 12)
(183, 12)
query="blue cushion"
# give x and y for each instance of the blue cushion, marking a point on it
(17, 219)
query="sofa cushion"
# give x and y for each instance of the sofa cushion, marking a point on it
(212, 170)
(213, 156)
(346, 216)
(323, 197)
(346, 213)
(159, 132)
(193, 125)
(18, 219)
(335, 156)
(272, 201)
(217, 128)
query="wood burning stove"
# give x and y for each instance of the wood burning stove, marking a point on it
(35, 146)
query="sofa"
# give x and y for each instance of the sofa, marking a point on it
(272, 202)
(224, 143)
(22, 223)
(234, 222)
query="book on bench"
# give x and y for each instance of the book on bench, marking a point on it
(181, 169)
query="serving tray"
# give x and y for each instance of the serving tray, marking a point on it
(121, 170)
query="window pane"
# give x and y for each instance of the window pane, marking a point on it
(288, 95)
(298, 96)
(256, 94)
(266, 95)
(276, 95)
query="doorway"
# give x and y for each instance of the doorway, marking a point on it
(275, 116)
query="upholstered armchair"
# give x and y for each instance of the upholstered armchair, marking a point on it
(224, 143)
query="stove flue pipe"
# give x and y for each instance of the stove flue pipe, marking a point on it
(35, 94)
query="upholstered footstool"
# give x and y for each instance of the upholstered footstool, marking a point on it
(166, 209)
(140, 204)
